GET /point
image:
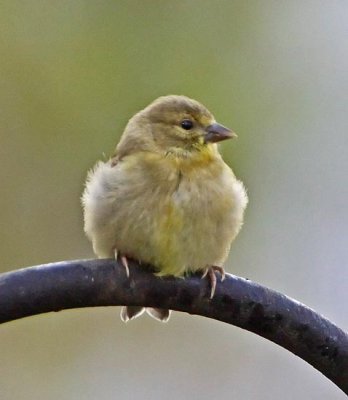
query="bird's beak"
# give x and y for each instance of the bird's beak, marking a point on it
(217, 132)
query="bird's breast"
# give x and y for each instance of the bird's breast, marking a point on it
(165, 212)
(192, 215)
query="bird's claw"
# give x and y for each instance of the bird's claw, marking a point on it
(210, 272)
(123, 260)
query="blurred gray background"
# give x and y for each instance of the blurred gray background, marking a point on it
(71, 75)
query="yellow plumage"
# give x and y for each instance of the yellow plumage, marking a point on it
(166, 197)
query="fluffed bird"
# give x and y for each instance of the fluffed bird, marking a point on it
(166, 197)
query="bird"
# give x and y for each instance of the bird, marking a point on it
(166, 197)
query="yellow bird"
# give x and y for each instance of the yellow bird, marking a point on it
(166, 198)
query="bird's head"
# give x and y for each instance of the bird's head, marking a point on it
(173, 124)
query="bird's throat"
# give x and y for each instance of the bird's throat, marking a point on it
(192, 158)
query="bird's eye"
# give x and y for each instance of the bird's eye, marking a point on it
(187, 124)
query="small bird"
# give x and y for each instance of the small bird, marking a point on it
(166, 197)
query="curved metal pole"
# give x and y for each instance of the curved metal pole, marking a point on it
(237, 301)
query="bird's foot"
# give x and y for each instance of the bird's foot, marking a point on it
(123, 259)
(210, 273)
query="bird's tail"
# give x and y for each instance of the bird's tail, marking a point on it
(130, 312)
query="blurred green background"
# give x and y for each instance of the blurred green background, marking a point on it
(71, 74)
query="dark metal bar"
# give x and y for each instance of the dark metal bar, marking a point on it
(91, 283)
